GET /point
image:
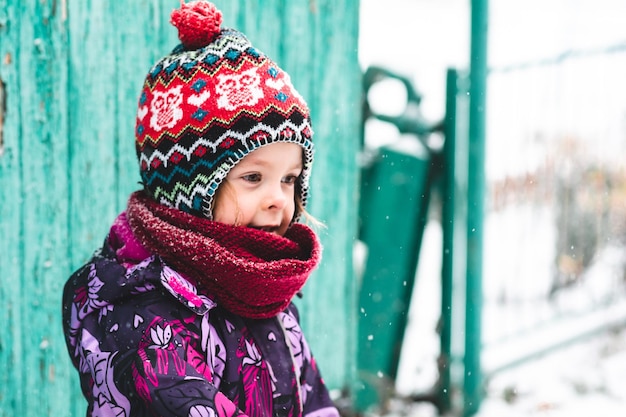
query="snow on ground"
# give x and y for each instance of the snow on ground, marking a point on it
(582, 377)
(581, 380)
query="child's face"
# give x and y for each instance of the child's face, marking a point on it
(259, 191)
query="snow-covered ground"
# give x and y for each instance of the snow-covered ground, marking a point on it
(581, 378)
(585, 379)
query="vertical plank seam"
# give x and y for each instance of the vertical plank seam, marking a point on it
(20, 394)
(3, 107)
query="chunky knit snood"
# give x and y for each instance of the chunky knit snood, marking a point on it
(250, 272)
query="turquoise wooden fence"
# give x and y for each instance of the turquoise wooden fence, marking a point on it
(70, 73)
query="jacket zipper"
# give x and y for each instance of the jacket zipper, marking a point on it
(297, 370)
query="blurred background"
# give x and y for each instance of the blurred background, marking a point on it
(553, 244)
(470, 169)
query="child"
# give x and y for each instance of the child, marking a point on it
(186, 309)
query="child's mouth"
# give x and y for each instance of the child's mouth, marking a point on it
(269, 229)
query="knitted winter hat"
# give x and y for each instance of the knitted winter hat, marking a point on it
(208, 104)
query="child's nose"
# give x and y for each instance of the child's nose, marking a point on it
(276, 196)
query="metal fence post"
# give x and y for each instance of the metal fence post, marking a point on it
(476, 194)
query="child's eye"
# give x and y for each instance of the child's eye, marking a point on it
(252, 177)
(290, 179)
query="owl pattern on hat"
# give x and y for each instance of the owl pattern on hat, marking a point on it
(203, 109)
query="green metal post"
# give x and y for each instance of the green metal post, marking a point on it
(476, 194)
(447, 223)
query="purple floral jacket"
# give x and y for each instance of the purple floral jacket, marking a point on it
(146, 343)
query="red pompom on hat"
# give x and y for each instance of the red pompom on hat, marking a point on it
(198, 23)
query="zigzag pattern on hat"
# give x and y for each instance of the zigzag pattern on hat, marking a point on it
(284, 130)
(219, 121)
(192, 196)
(184, 171)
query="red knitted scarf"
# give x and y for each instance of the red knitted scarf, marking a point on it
(251, 272)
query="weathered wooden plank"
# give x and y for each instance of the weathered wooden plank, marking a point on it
(42, 137)
(11, 247)
(329, 72)
(93, 102)
(52, 261)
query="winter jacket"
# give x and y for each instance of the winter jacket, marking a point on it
(146, 343)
